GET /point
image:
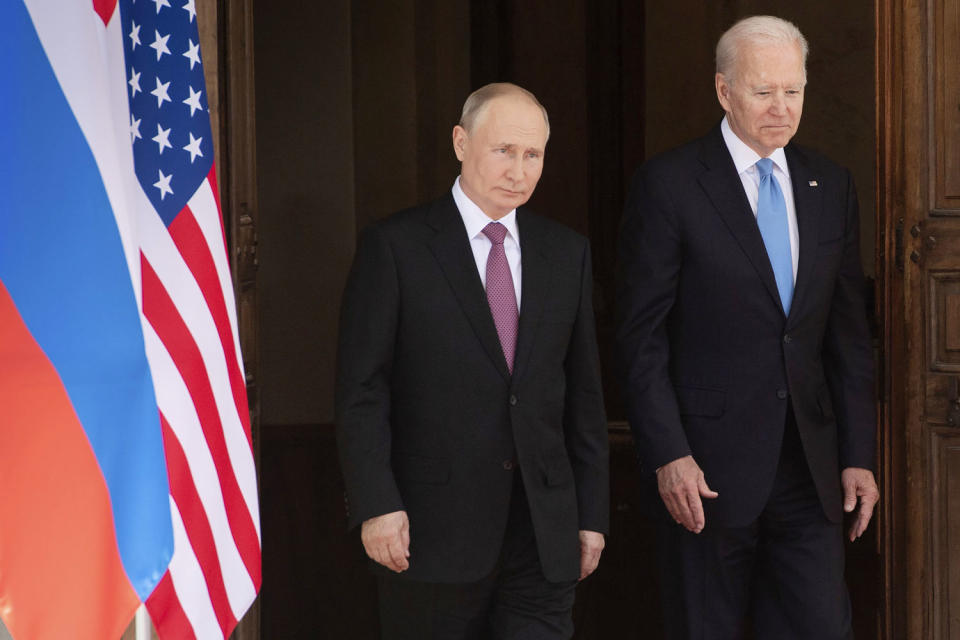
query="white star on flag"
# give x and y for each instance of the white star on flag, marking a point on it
(134, 82)
(193, 101)
(135, 36)
(134, 129)
(193, 53)
(191, 8)
(161, 3)
(161, 93)
(194, 148)
(162, 139)
(163, 184)
(160, 44)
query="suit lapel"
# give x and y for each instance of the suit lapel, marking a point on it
(452, 250)
(725, 190)
(535, 287)
(808, 200)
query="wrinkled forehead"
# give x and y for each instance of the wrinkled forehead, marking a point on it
(514, 115)
(779, 63)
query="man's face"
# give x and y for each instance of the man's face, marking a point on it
(502, 159)
(765, 99)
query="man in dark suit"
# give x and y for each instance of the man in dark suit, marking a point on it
(470, 417)
(748, 369)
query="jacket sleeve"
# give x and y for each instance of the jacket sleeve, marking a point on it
(368, 325)
(585, 422)
(847, 351)
(650, 254)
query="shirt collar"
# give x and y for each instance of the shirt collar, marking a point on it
(744, 157)
(474, 219)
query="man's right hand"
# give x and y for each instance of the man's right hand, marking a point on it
(681, 485)
(386, 540)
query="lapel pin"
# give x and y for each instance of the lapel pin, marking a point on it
(812, 183)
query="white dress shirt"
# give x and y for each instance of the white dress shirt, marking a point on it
(745, 160)
(474, 219)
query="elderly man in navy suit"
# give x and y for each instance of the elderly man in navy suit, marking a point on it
(747, 363)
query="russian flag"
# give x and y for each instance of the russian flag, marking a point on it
(85, 521)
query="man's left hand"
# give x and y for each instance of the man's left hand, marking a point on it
(591, 545)
(859, 484)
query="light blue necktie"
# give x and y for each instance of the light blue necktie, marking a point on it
(772, 220)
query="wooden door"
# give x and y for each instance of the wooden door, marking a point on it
(919, 199)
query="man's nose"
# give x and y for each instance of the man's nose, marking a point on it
(779, 104)
(515, 169)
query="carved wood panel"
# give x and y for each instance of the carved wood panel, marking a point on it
(944, 327)
(946, 24)
(946, 534)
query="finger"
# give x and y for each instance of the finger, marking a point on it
(376, 554)
(588, 563)
(697, 519)
(682, 513)
(672, 508)
(405, 541)
(863, 518)
(398, 554)
(705, 491)
(849, 497)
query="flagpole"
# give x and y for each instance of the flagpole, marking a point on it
(142, 625)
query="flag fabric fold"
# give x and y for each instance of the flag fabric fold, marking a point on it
(126, 459)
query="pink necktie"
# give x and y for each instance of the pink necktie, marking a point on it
(501, 295)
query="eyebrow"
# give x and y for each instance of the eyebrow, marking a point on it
(510, 145)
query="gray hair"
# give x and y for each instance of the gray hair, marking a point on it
(479, 99)
(764, 30)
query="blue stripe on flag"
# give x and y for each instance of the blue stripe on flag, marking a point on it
(62, 261)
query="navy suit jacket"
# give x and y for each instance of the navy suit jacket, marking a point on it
(430, 420)
(710, 361)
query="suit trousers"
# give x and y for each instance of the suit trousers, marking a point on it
(783, 572)
(515, 602)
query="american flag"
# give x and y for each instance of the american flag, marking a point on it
(191, 340)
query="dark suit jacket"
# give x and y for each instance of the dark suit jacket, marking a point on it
(710, 360)
(428, 418)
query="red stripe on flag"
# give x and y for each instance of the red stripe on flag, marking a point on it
(105, 9)
(188, 238)
(168, 616)
(173, 332)
(188, 501)
(212, 177)
(60, 570)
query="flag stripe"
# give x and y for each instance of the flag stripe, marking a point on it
(188, 300)
(173, 332)
(185, 494)
(58, 541)
(193, 246)
(174, 400)
(187, 580)
(167, 614)
(206, 204)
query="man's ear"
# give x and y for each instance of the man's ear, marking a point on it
(460, 137)
(723, 91)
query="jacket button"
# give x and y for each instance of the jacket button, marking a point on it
(508, 465)
(513, 400)
(788, 338)
(782, 394)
